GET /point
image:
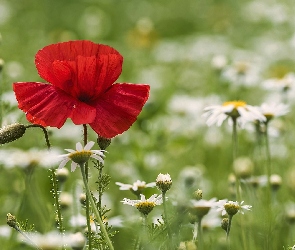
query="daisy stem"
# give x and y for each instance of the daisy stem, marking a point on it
(96, 213)
(230, 217)
(268, 172)
(200, 234)
(235, 152)
(87, 204)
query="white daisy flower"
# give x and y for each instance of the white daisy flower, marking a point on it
(81, 155)
(145, 206)
(232, 207)
(273, 110)
(282, 84)
(236, 109)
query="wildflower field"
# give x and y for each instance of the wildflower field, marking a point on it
(147, 125)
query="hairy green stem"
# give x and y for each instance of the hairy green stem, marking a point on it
(170, 242)
(94, 208)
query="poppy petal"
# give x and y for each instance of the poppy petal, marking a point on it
(80, 68)
(118, 108)
(48, 106)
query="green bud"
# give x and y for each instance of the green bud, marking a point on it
(11, 220)
(198, 194)
(103, 143)
(11, 132)
(224, 224)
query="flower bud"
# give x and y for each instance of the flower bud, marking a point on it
(275, 182)
(224, 224)
(103, 143)
(198, 194)
(62, 174)
(11, 220)
(82, 199)
(163, 182)
(11, 132)
(65, 200)
(243, 167)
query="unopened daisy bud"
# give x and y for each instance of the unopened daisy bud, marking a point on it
(224, 224)
(275, 182)
(65, 200)
(198, 194)
(11, 132)
(243, 167)
(163, 182)
(103, 143)
(82, 199)
(62, 174)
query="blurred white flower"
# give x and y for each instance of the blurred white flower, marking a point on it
(81, 155)
(30, 158)
(241, 73)
(236, 109)
(50, 240)
(280, 84)
(273, 110)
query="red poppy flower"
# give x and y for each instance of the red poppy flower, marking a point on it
(81, 76)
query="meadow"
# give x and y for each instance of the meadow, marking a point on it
(232, 170)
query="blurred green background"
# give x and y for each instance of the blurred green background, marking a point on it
(189, 52)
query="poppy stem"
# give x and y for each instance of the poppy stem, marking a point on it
(44, 131)
(94, 208)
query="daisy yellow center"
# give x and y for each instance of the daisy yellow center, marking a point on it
(80, 157)
(236, 104)
(268, 116)
(145, 207)
(231, 208)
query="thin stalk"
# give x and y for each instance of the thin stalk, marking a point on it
(238, 184)
(268, 196)
(230, 217)
(44, 131)
(200, 234)
(235, 153)
(87, 203)
(94, 208)
(166, 220)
